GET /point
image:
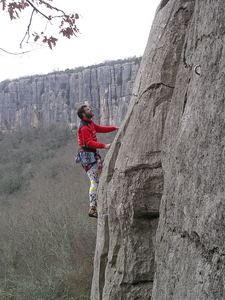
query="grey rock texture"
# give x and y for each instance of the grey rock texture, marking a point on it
(55, 97)
(161, 196)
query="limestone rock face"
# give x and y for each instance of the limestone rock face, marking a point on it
(161, 196)
(55, 97)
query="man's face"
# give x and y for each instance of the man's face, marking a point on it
(88, 113)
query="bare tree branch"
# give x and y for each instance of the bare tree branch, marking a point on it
(28, 29)
(20, 53)
(38, 11)
(67, 27)
(52, 7)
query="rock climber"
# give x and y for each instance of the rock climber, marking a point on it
(88, 155)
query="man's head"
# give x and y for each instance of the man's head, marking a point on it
(84, 112)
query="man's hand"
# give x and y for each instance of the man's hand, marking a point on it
(107, 146)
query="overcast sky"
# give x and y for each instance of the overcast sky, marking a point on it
(109, 30)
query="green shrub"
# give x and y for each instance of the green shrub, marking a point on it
(11, 183)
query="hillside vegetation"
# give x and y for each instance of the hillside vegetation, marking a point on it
(47, 241)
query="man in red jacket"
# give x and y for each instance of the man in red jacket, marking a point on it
(88, 155)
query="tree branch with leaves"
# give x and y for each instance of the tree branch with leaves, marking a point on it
(67, 25)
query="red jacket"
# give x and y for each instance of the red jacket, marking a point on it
(87, 134)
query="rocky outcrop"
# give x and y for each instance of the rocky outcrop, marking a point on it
(55, 97)
(161, 197)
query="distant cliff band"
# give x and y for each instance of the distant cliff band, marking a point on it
(53, 98)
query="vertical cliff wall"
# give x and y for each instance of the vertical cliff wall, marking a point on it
(55, 97)
(161, 197)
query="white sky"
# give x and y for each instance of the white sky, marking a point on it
(109, 30)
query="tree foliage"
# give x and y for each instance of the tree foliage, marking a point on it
(67, 25)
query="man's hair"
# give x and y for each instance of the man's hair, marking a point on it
(81, 110)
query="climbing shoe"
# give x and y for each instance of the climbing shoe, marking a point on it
(93, 213)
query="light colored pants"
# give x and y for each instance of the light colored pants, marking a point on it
(94, 173)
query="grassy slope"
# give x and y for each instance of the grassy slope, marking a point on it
(47, 240)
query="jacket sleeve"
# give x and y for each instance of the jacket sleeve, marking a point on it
(87, 139)
(104, 129)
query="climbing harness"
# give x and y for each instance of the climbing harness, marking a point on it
(88, 159)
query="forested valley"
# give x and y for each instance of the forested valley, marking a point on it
(47, 240)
